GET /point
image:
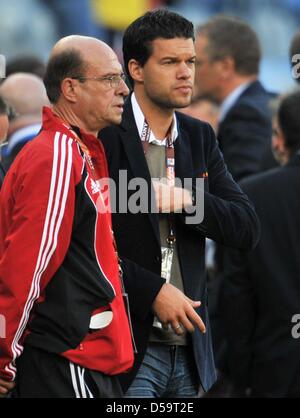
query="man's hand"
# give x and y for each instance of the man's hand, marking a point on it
(5, 387)
(171, 306)
(171, 199)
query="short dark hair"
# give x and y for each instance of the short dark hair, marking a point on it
(232, 37)
(289, 121)
(26, 63)
(65, 64)
(295, 49)
(295, 44)
(3, 107)
(159, 23)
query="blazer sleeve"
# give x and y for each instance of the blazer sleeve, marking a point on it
(229, 216)
(245, 137)
(142, 286)
(2, 174)
(237, 303)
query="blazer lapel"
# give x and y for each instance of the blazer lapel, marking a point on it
(183, 157)
(135, 155)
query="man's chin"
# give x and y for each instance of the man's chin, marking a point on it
(182, 103)
(116, 120)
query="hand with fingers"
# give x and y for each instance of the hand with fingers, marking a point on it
(5, 387)
(171, 199)
(171, 306)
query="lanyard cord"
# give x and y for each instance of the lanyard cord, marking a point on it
(170, 170)
(96, 178)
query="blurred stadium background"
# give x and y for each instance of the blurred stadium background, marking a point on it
(32, 26)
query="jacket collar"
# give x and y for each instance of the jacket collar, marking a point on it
(52, 122)
(140, 119)
(231, 99)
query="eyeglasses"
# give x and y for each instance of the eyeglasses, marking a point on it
(113, 80)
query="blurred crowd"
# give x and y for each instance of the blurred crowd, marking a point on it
(273, 20)
(253, 296)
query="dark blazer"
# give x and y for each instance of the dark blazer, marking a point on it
(245, 133)
(2, 174)
(229, 218)
(7, 160)
(261, 289)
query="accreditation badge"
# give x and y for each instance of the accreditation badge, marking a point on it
(167, 254)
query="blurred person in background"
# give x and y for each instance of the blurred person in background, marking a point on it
(227, 69)
(4, 122)
(26, 63)
(204, 108)
(71, 16)
(27, 95)
(294, 53)
(261, 289)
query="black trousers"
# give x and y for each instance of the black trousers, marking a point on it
(46, 375)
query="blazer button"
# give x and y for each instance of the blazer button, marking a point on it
(157, 260)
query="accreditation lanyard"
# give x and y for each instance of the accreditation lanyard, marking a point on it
(170, 170)
(96, 178)
(95, 175)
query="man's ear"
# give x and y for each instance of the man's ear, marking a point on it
(227, 67)
(281, 141)
(69, 89)
(136, 70)
(279, 148)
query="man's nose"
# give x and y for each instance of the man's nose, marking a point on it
(123, 89)
(185, 71)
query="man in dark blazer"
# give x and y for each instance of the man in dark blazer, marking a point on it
(227, 68)
(159, 58)
(261, 289)
(244, 133)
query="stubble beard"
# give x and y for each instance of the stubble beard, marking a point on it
(166, 102)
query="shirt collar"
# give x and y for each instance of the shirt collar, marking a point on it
(140, 118)
(231, 99)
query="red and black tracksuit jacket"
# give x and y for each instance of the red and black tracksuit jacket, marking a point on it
(58, 265)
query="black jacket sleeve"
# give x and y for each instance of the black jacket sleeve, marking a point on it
(2, 174)
(239, 316)
(229, 216)
(244, 137)
(142, 287)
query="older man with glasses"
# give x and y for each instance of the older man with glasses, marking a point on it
(64, 330)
